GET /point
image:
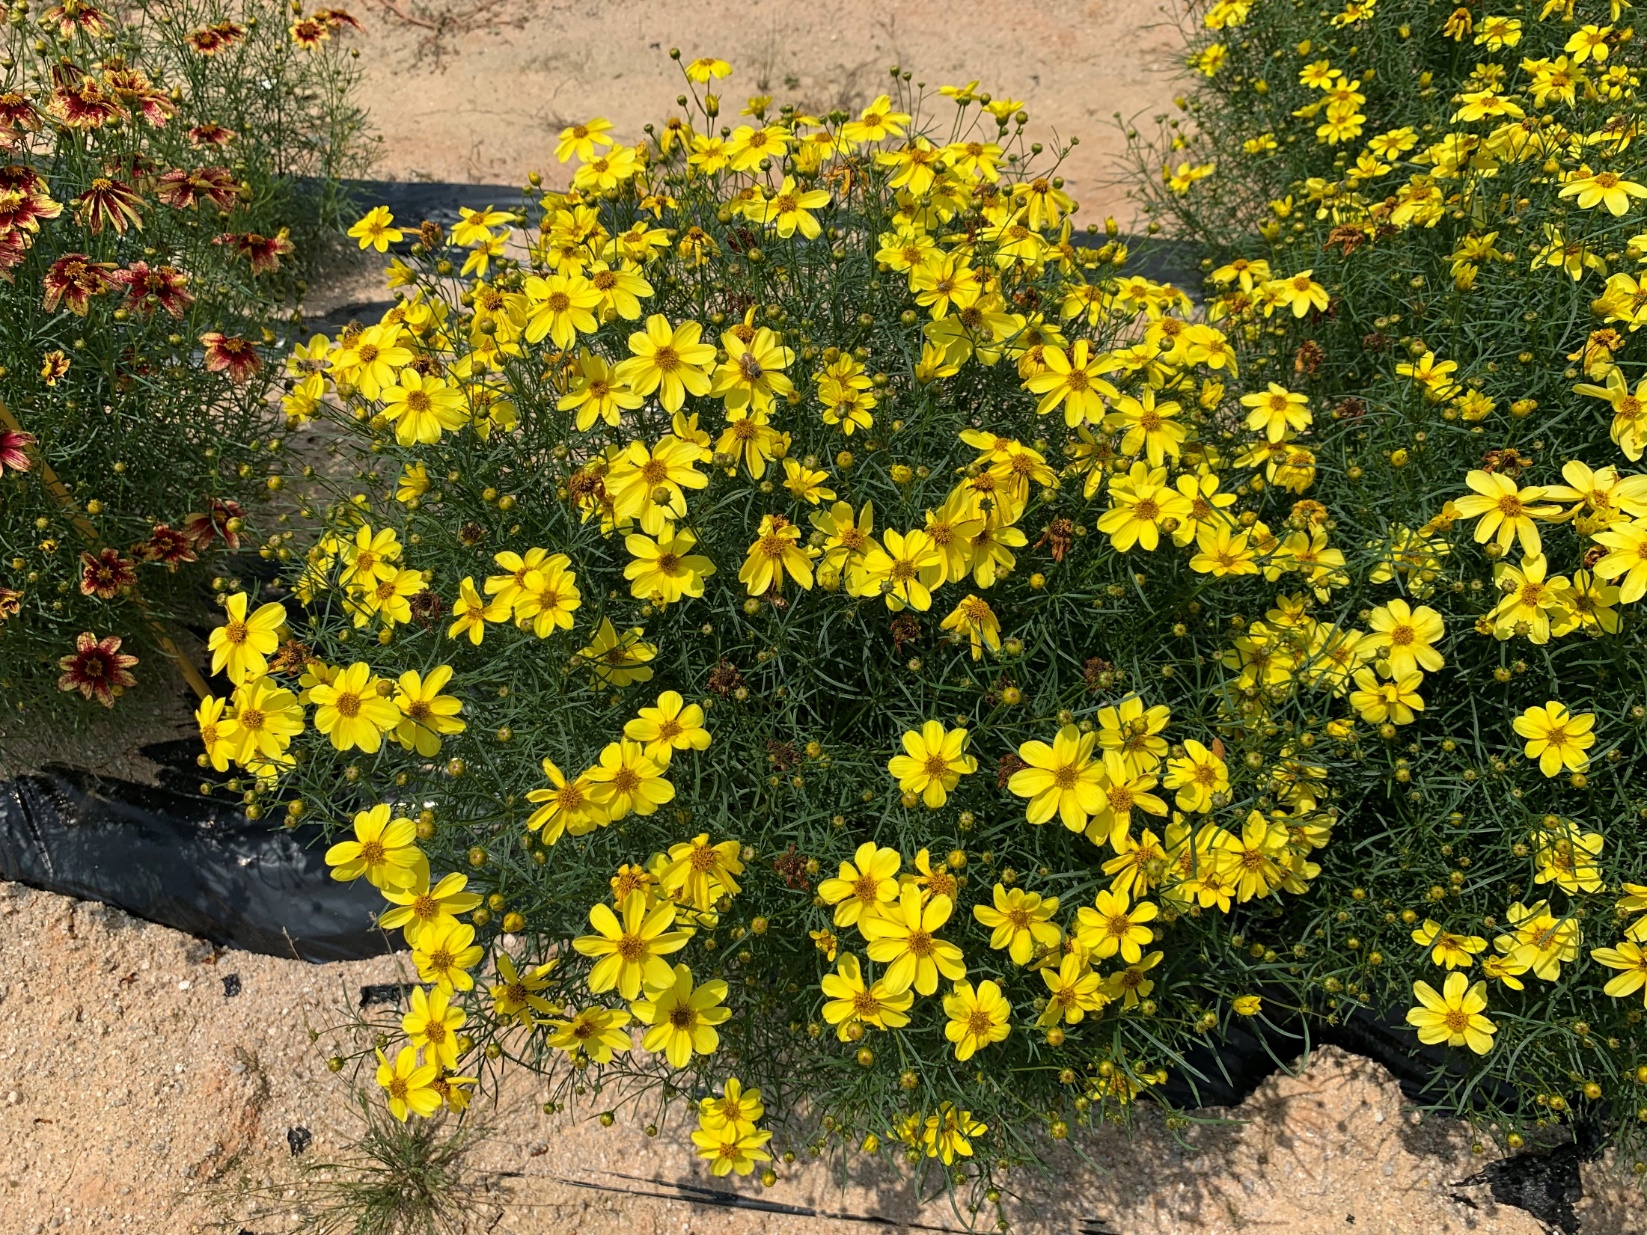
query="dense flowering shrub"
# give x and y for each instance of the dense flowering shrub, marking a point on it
(151, 212)
(1466, 187)
(785, 641)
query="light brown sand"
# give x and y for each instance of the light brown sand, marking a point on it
(484, 102)
(136, 1097)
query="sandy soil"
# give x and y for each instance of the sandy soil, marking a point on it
(136, 1095)
(483, 100)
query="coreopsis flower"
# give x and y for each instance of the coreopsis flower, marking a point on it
(97, 668)
(650, 484)
(567, 806)
(147, 287)
(444, 955)
(699, 872)
(384, 849)
(14, 445)
(1604, 188)
(1556, 737)
(377, 230)
(595, 394)
(1074, 379)
(973, 617)
(518, 994)
(472, 612)
(267, 717)
(1447, 949)
(110, 203)
(629, 951)
(219, 735)
(1140, 503)
(619, 659)
(1532, 601)
(673, 361)
(594, 1034)
(752, 374)
(1507, 512)
(728, 1149)
(352, 709)
(672, 725)
(433, 1023)
(851, 1001)
(1567, 857)
(230, 354)
(54, 366)
(73, 280)
(1395, 702)
(933, 762)
(682, 1017)
(1626, 559)
(1630, 960)
(865, 886)
(422, 407)
(221, 518)
(903, 937)
(1405, 637)
(1277, 412)
(409, 1084)
(105, 574)
(546, 596)
(167, 546)
(1062, 780)
(1454, 1015)
(1198, 776)
(1115, 925)
(790, 207)
(1539, 942)
(1020, 922)
(977, 1018)
(776, 552)
(427, 715)
(419, 907)
(734, 1108)
(905, 568)
(241, 646)
(625, 780)
(948, 1134)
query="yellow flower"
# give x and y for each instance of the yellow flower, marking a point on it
(240, 647)
(625, 780)
(596, 394)
(704, 68)
(650, 484)
(683, 1017)
(933, 764)
(948, 1134)
(775, 552)
(1115, 926)
(1073, 990)
(630, 951)
(672, 361)
(472, 613)
(1197, 777)
(1394, 702)
(266, 719)
(594, 1034)
(352, 711)
(807, 484)
(1631, 960)
(789, 209)
(1074, 379)
(1447, 949)
(619, 660)
(1454, 1015)
(218, 733)
(445, 953)
(427, 713)
(1247, 1005)
(1278, 412)
(728, 1149)
(377, 231)
(672, 725)
(977, 1018)
(664, 570)
(581, 140)
(1541, 942)
(409, 1084)
(1140, 502)
(1406, 637)
(1604, 188)
(1507, 512)
(852, 1001)
(433, 1024)
(418, 907)
(422, 407)
(905, 567)
(903, 937)
(516, 995)
(700, 873)
(977, 620)
(561, 307)
(383, 849)
(1556, 737)
(1062, 779)
(1627, 557)
(567, 806)
(1020, 922)
(865, 886)
(736, 1108)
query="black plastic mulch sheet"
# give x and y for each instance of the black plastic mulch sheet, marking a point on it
(184, 861)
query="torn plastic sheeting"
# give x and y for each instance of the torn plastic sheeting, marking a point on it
(185, 862)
